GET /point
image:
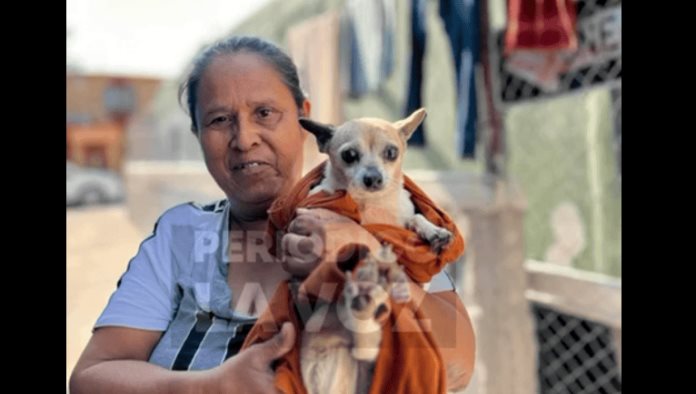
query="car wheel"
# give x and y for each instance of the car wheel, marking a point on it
(92, 196)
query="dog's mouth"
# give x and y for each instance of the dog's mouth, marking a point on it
(248, 164)
(360, 188)
(373, 188)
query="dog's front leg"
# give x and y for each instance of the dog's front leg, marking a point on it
(438, 237)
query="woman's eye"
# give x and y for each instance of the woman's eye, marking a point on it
(268, 116)
(219, 121)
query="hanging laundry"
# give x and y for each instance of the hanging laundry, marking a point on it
(367, 30)
(414, 97)
(541, 25)
(313, 46)
(462, 19)
(461, 22)
(599, 43)
(492, 16)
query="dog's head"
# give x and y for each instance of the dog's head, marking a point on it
(366, 153)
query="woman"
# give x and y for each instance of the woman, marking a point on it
(172, 324)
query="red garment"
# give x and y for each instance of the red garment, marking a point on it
(541, 25)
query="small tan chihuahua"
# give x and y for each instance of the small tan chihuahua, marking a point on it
(365, 157)
(341, 341)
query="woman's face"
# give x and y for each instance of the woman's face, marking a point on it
(248, 128)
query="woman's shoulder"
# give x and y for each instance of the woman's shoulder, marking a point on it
(190, 212)
(182, 227)
(190, 216)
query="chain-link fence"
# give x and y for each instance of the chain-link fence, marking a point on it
(575, 355)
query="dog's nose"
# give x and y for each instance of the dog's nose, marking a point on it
(373, 181)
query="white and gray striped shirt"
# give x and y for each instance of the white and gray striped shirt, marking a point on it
(177, 283)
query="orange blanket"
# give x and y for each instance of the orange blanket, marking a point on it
(408, 360)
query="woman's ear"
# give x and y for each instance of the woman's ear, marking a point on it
(306, 109)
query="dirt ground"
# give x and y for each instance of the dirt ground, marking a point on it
(100, 242)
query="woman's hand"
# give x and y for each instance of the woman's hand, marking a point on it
(250, 370)
(317, 235)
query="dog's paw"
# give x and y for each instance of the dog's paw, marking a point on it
(368, 299)
(400, 293)
(350, 288)
(439, 239)
(399, 289)
(367, 272)
(359, 287)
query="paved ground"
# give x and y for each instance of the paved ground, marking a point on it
(100, 242)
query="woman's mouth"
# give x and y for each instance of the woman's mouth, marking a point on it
(247, 165)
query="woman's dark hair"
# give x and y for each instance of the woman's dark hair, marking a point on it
(236, 44)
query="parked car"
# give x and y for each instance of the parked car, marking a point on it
(86, 186)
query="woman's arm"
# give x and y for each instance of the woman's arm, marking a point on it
(115, 361)
(452, 330)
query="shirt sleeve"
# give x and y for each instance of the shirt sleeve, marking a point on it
(440, 282)
(146, 295)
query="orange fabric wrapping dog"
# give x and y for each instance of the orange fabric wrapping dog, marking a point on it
(409, 360)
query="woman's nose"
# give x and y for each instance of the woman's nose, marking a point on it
(246, 136)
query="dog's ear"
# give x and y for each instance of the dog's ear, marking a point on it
(407, 126)
(322, 132)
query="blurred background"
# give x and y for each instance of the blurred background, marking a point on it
(522, 146)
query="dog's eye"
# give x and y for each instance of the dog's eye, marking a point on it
(350, 156)
(391, 153)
